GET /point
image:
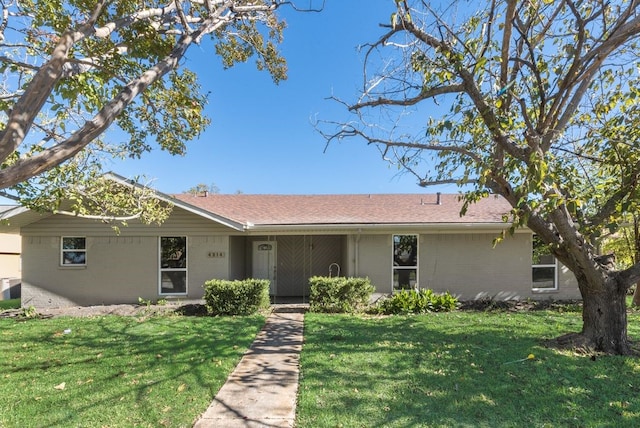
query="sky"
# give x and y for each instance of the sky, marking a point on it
(261, 139)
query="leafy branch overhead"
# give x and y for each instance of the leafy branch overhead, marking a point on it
(72, 69)
(534, 100)
(528, 93)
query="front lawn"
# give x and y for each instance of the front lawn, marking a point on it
(460, 369)
(116, 371)
(9, 304)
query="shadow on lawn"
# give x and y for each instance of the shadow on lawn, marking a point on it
(121, 371)
(410, 371)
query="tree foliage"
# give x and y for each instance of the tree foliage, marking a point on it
(534, 100)
(72, 69)
(202, 188)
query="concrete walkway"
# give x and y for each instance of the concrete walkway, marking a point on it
(261, 391)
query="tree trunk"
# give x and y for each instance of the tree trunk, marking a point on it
(604, 318)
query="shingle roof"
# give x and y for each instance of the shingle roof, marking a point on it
(347, 209)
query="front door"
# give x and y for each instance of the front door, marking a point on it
(264, 263)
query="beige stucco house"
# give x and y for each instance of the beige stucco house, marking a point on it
(398, 241)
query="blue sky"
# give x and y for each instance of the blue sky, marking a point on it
(261, 139)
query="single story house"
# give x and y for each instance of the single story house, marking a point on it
(396, 240)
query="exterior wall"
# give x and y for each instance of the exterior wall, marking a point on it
(237, 260)
(10, 248)
(180, 223)
(202, 266)
(470, 267)
(120, 268)
(373, 260)
(567, 286)
(465, 264)
(10, 265)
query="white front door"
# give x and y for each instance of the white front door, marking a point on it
(264, 262)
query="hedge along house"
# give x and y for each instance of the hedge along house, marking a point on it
(397, 241)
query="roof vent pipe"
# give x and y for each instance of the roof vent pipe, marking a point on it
(438, 198)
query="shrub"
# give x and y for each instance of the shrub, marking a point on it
(223, 297)
(339, 294)
(417, 302)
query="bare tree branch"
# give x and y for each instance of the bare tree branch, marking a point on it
(506, 38)
(425, 94)
(107, 29)
(458, 181)
(21, 64)
(590, 66)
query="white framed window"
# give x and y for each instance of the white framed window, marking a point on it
(405, 262)
(173, 265)
(544, 267)
(73, 251)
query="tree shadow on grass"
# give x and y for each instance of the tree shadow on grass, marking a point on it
(458, 370)
(120, 371)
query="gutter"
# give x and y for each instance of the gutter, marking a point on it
(359, 227)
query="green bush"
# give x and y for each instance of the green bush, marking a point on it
(417, 302)
(339, 294)
(223, 297)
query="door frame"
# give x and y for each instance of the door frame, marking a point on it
(271, 262)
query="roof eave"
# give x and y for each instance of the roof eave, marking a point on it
(181, 204)
(487, 226)
(12, 220)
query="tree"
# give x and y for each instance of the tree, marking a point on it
(72, 69)
(625, 244)
(536, 101)
(201, 188)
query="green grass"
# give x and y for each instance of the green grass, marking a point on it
(9, 304)
(116, 371)
(460, 369)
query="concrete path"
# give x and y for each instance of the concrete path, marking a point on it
(261, 391)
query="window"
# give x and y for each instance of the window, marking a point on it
(173, 265)
(405, 262)
(73, 251)
(544, 271)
